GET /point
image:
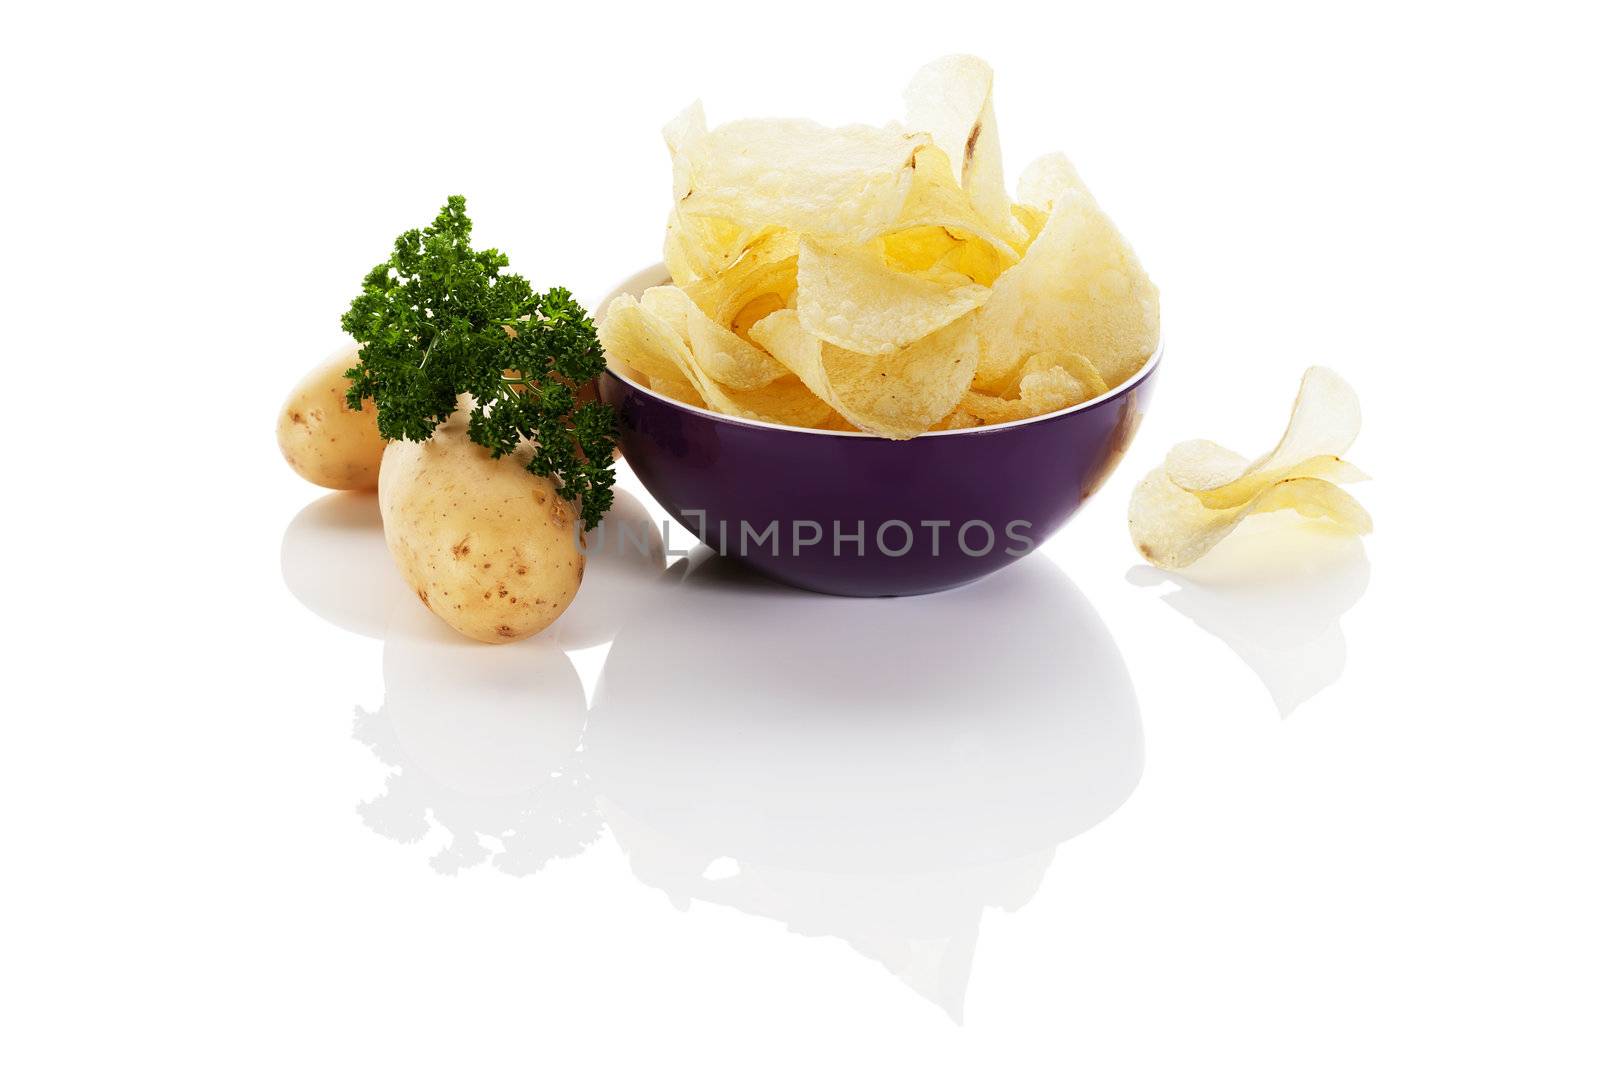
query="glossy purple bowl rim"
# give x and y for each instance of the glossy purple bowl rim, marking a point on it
(627, 285)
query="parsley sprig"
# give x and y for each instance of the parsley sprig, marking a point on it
(437, 319)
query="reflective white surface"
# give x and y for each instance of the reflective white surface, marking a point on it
(878, 771)
(1273, 593)
(1313, 802)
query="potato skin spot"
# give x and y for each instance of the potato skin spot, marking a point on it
(470, 532)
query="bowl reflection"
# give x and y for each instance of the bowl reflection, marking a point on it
(879, 771)
(888, 736)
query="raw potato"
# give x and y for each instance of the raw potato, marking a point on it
(324, 441)
(487, 546)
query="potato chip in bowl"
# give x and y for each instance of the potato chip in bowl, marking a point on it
(880, 279)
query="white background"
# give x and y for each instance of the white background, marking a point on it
(218, 721)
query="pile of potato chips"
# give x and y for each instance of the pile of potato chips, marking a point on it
(881, 279)
(1203, 491)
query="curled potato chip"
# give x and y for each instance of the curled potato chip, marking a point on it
(939, 228)
(1172, 528)
(695, 246)
(1046, 180)
(675, 388)
(645, 346)
(959, 419)
(698, 248)
(1071, 362)
(1324, 421)
(953, 100)
(898, 395)
(853, 255)
(719, 352)
(795, 174)
(684, 136)
(934, 200)
(644, 341)
(1079, 290)
(1207, 455)
(917, 249)
(1050, 388)
(760, 281)
(1203, 490)
(849, 297)
(1032, 221)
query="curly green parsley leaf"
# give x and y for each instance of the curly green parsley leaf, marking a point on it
(438, 319)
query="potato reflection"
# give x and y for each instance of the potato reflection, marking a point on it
(335, 563)
(482, 745)
(481, 742)
(875, 770)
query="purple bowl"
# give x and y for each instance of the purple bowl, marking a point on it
(854, 515)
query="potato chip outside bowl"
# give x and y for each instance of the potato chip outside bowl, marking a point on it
(855, 515)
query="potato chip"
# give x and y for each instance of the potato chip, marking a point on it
(1203, 490)
(917, 249)
(1050, 388)
(1079, 290)
(976, 259)
(1046, 180)
(646, 345)
(788, 401)
(953, 99)
(935, 200)
(884, 274)
(1324, 421)
(675, 388)
(1072, 363)
(677, 255)
(760, 281)
(1032, 220)
(898, 395)
(849, 182)
(638, 338)
(959, 419)
(849, 297)
(685, 135)
(698, 248)
(1195, 456)
(718, 351)
(1172, 528)
(935, 249)
(1054, 388)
